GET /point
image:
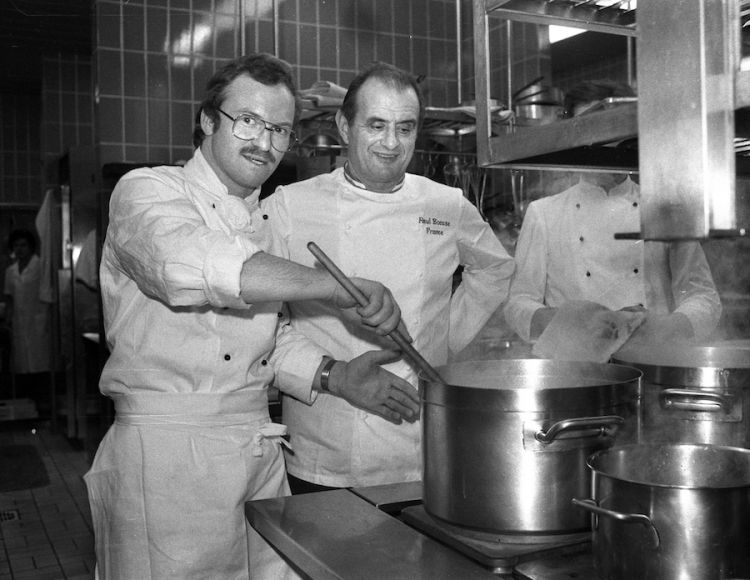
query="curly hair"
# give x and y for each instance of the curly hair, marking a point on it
(22, 234)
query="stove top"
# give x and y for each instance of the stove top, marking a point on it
(503, 553)
(384, 532)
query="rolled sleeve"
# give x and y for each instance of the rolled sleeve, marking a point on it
(162, 241)
(295, 360)
(222, 269)
(693, 288)
(527, 287)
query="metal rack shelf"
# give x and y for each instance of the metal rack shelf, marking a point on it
(594, 15)
(692, 121)
(565, 143)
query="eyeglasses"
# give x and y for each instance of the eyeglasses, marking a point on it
(247, 127)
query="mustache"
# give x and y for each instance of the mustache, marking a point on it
(257, 152)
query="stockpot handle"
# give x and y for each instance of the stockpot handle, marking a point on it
(598, 424)
(692, 400)
(590, 505)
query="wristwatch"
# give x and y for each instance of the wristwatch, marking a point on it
(325, 374)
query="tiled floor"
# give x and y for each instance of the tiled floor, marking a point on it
(46, 532)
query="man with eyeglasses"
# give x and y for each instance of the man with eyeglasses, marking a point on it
(376, 220)
(196, 331)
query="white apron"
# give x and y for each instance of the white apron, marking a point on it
(179, 468)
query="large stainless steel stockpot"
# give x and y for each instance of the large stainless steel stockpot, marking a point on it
(693, 394)
(670, 512)
(506, 441)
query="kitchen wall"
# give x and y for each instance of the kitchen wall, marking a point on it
(38, 128)
(67, 112)
(153, 58)
(136, 97)
(20, 165)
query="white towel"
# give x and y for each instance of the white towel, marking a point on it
(586, 331)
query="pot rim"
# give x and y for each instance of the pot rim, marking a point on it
(686, 357)
(616, 373)
(652, 447)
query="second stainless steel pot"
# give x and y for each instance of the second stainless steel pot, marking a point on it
(506, 442)
(693, 394)
(670, 512)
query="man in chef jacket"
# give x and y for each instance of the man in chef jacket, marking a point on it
(194, 324)
(373, 219)
(567, 252)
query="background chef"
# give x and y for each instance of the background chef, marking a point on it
(567, 251)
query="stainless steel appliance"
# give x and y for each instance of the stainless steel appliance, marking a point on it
(383, 532)
(506, 441)
(693, 394)
(671, 512)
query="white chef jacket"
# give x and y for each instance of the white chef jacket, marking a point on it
(189, 367)
(566, 251)
(31, 318)
(411, 240)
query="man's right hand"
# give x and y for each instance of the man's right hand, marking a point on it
(381, 313)
(364, 384)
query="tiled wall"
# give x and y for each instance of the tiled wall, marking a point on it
(67, 116)
(39, 128)
(153, 58)
(20, 164)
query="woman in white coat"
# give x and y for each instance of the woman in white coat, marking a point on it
(29, 318)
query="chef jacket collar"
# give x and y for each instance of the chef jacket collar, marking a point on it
(201, 171)
(627, 188)
(356, 183)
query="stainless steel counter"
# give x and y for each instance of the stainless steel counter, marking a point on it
(341, 534)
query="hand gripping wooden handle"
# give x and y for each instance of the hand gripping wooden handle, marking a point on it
(361, 299)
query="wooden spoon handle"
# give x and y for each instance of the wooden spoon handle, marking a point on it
(361, 299)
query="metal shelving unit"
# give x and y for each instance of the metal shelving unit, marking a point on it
(538, 146)
(690, 84)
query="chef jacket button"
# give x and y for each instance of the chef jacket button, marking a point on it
(581, 238)
(227, 357)
(588, 274)
(264, 362)
(213, 205)
(635, 270)
(635, 204)
(578, 206)
(279, 314)
(265, 216)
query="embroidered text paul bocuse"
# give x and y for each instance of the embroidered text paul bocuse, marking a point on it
(433, 222)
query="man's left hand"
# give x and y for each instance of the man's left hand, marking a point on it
(364, 384)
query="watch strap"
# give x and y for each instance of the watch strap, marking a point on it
(325, 374)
